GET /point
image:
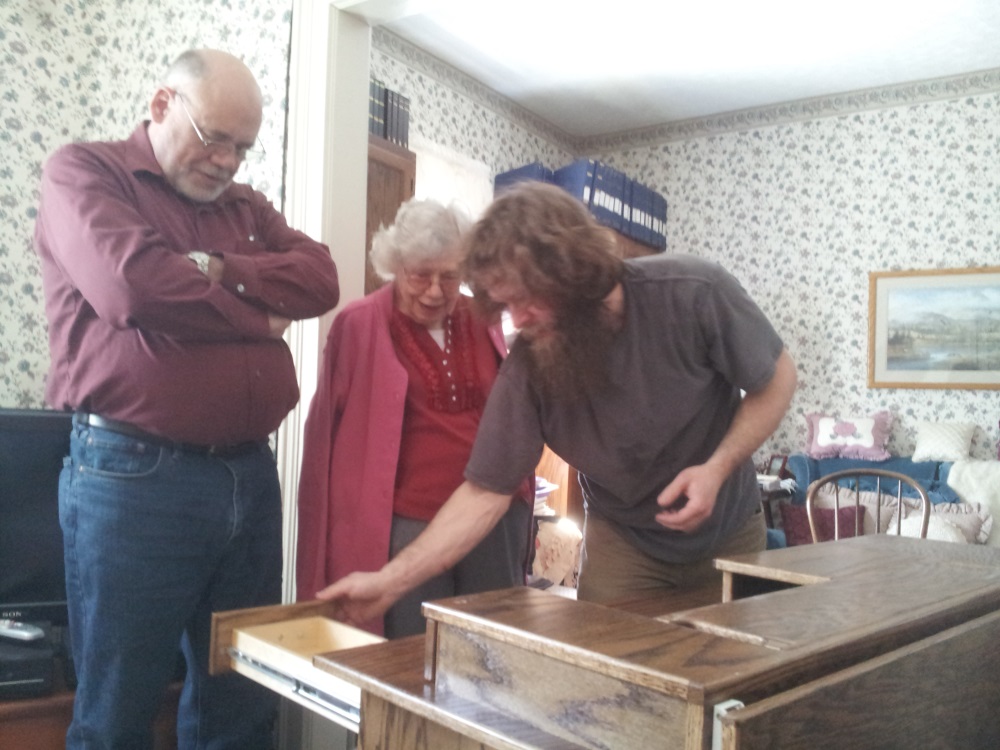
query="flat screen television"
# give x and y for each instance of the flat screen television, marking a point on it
(33, 444)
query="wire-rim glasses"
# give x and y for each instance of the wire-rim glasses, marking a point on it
(420, 281)
(221, 147)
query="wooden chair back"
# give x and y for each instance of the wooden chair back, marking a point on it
(847, 483)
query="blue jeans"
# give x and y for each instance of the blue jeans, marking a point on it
(156, 539)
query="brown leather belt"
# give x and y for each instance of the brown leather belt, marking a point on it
(124, 428)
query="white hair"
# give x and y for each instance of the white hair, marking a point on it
(423, 230)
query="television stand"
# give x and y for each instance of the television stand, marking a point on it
(41, 723)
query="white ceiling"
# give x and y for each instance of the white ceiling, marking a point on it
(597, 67)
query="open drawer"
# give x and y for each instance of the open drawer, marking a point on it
(276, 646)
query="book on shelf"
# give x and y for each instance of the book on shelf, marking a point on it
(577, 179)
(615, 200)
(396, 118)
(379, 107)
(606, 202)
(533, 171)
(376, 107)
(659, 220)
(404, 121)
(640, 226)
(391, 115)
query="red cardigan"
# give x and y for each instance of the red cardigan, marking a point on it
(351, 447)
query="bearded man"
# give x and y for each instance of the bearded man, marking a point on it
(632, 372)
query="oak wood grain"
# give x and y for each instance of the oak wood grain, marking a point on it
(890, 701)
(522, 668)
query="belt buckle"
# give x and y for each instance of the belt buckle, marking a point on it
(228, 451)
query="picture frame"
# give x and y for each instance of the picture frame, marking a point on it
(934, 328)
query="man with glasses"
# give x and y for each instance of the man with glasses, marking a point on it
(168, 290)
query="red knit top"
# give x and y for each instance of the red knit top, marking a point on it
(444, 401)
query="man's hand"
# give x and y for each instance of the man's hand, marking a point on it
(216, 266)
(278, 325)
(757, 417)
(688, 501)
(360, 597)
(461, 523)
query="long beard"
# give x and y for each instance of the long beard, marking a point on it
(571, 360)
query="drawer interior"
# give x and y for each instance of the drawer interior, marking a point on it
(280, 655)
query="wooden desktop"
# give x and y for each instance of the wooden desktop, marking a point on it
(874, 641)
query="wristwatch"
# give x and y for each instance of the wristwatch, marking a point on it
(200, 259)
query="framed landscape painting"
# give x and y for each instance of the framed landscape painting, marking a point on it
(934, 329)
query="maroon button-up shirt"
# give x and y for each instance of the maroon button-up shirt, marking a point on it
(136, 332)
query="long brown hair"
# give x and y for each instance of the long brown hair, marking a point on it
(542, 237)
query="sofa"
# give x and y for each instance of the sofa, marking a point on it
(932, 475)
(964, 492)
(952, 518)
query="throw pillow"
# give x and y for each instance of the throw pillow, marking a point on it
(795, 522)
(855, 437)
(972, 519)
(943, 441)
(937, 528)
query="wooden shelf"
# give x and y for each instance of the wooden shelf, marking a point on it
(392, 173)
(629, 248)
(41, 723)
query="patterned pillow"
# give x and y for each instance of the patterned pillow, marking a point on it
(795, 522)
(855, 437)
(943, 441)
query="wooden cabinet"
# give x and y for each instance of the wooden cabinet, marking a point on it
(875, 641)
(629, 248)
(392, 174)
(41, 723)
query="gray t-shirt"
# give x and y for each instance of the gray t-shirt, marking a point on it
(691, 339)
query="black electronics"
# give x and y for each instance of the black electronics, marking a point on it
(26, 668)
(33, 445)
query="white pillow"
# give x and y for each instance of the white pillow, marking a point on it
(938, 528)
(974, 520)
(943, 441)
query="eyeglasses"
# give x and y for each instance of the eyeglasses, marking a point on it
(420, 281)
(221, 148)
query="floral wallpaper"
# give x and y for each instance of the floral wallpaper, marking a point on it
(84, 70)
(802, 212)
(800, 201)
(455, 111)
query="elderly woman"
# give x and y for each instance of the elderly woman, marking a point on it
(404, 379)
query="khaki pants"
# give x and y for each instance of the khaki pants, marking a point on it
(613, 569)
